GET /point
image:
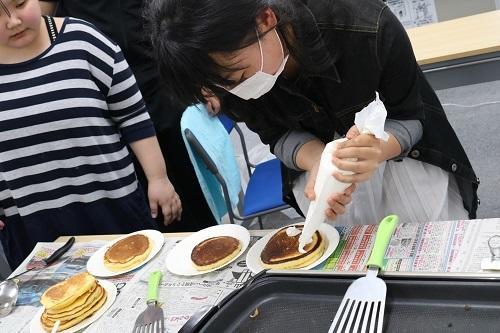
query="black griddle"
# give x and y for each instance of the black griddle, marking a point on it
(306, 302)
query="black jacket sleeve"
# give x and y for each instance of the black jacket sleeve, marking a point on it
(399, 81)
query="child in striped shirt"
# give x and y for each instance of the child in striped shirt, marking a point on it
(70, 110)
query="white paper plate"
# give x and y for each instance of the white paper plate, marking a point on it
(178, 260)
(329, 233)
(96, 267)
(36, 325)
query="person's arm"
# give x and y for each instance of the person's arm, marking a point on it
(161, 192)
(399, 90)
(308, 158)
(128, 111)
(288, 146)
(399, 84)
(48, 7)
(309, 154)
(406, 132)
(362, 154)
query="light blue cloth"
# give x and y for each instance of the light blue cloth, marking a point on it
(216, 141)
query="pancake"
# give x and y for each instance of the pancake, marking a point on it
(127, 252)
(75, 311)
(79, 302)
(66, 292)
(67, 317)
(215, 252)
(72, 301)
(282, 251)
(48, 324)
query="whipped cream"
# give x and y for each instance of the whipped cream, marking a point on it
(292, 231)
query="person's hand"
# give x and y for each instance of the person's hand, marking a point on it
(366, 151)
(162, 195)
(337, 201)
(309, 189)
(212, 102)
(352, 132)
(2, 225)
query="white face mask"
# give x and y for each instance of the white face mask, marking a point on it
(259, 83)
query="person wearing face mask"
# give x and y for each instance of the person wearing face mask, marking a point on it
(261, 82)
(296, 72)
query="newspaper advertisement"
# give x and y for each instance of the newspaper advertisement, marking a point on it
(454, 246)
(414, 13)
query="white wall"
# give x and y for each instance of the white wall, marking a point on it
(450, 9)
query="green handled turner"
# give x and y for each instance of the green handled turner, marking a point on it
(365, 297)
(151, 319)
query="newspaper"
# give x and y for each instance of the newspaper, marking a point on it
(453, 246)
(32, 284)
(414, 13)
(180, 296)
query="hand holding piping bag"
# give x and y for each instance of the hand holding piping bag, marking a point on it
(349, 160)
(362, 152)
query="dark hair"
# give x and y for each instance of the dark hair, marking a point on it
(184, 32)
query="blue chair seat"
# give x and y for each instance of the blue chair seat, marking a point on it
(264, 191)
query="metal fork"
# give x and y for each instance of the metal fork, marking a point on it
(151, 319)
(365, 297)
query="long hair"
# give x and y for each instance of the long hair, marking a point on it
(185, 32)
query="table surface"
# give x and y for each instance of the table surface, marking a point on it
(459, 38)
(88, 238)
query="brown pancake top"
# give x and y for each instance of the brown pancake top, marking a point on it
(283, 248)
(214, 249)
(126, 249)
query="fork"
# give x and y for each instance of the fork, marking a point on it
(365, 297)
(151, 319)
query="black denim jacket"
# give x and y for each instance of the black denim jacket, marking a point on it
(371, 52)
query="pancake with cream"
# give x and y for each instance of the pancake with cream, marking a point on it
(215, 252)
(127, 252)
(282, 251)
(71, 301)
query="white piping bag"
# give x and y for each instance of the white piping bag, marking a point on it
(370, 120)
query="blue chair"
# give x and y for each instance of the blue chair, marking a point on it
(264, 190)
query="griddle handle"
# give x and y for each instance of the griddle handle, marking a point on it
(199, 319)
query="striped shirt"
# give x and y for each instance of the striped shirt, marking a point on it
(66, 118)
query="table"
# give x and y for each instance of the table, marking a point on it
(89, 238)
(459, 52)
(440, 248)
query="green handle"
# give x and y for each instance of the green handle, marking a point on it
(153, 283)
(382, 238)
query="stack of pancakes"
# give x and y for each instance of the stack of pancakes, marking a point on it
(282, 251)
(127, 253)
(215, 252)
(71, 301)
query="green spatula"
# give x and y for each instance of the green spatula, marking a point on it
(365, 297)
